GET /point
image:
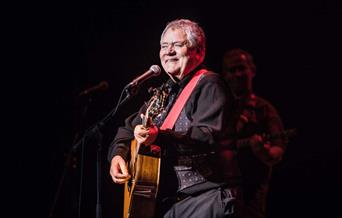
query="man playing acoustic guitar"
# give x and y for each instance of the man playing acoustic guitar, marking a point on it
(186, 135)
(254, 117)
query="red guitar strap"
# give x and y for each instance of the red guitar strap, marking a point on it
(172, 117)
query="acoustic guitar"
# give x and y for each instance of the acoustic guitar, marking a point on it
(141, 190)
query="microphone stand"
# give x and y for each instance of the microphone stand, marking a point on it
(69, 160)
(130, 90)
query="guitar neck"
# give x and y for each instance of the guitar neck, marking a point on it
(146, 122)
(242, 143)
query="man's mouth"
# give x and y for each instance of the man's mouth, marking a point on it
(171, 60)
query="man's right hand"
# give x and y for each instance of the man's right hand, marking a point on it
(119, 170)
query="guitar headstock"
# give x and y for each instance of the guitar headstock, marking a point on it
(155, 106)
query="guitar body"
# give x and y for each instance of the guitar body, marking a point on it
(141, 191)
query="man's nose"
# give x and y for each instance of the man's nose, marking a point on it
(170, 50)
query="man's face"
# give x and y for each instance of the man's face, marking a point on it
(175, 56)
(239, 75)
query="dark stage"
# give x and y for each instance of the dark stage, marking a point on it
(61, 49)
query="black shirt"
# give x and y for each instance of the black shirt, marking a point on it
(206, 112)
(207, 108)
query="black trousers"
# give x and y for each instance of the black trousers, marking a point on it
(214, 203)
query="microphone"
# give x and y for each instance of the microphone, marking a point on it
(153, 71)
(102, 86)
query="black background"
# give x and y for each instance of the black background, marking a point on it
(54, 51)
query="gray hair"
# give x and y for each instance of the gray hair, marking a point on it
(194, 33)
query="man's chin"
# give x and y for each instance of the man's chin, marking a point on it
(238, 91)
(174, 72)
